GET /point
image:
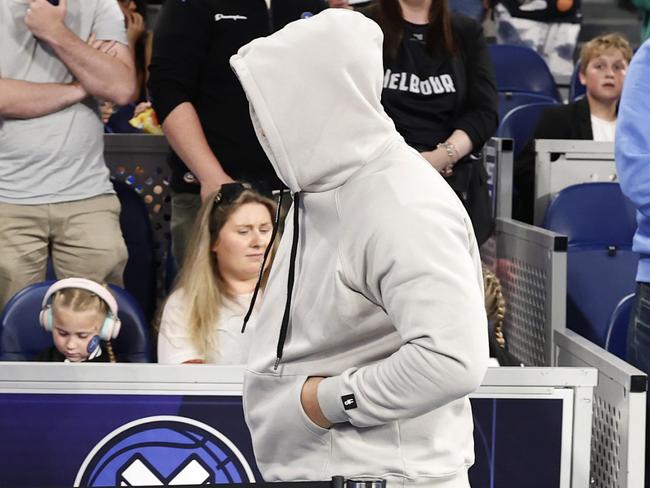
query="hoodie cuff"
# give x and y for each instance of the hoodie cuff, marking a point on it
(330, 401)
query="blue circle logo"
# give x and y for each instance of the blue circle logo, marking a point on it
(164, 451)
(306, 15)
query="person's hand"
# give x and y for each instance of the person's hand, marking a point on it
(309, 402)
(339, 4)
(141, 107)
(209, 187)
(134, 27)
(440, 161)
(106, 47)
(106, 109)
(44, 20)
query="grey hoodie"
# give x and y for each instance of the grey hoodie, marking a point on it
(388, 297)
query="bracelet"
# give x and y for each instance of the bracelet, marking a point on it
(450, 149)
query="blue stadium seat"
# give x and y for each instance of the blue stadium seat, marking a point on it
(140, 270)
(511, 100)
(618, 326)
(601, 267)
(576, 89)
(519, 124)
(521, 69)
(22, 337)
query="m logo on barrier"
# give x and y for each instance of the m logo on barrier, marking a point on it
(164, 451)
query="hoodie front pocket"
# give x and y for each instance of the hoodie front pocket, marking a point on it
(287, 444)
(309, 423)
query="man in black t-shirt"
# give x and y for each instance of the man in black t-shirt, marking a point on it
(200, 103)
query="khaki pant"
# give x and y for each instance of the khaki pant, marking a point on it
(84, 238)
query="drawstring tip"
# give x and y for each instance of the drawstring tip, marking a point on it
(276, 364)
(243, 327)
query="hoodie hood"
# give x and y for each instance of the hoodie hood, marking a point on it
(314, 90)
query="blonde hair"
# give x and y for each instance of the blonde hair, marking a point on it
(200, 281)
(81, 300)
(495, 305)
(598, 45)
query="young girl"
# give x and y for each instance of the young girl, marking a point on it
(202, 320)
(82, 316)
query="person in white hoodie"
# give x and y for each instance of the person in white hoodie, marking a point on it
(373, 330)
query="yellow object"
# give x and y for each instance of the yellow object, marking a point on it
(147, 122)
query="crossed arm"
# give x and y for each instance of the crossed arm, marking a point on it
(25, 100)
(104, 69)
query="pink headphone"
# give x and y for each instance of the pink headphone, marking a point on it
(110, 327)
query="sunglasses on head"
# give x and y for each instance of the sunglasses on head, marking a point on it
(229, 192)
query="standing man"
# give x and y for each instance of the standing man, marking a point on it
(633, 166)
(201, 105)
(374, 325)
(55, 192)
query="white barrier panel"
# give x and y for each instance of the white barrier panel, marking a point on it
(123, 424)
(560, 163)
(619, 414)
(530, 263)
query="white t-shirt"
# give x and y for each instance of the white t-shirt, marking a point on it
(603, 130)
(227, 344)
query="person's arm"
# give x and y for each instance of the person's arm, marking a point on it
(185, 135)
(26, 100)
(180, 51)
(431, 289)
(106, 75)
(632, 147)
(460, 145)
(479, 119)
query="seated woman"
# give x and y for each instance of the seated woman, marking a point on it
(603, 64)
(202, 319)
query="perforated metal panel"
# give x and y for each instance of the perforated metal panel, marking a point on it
(532, 269)
(618, 419)
(606, 444)
(525, 319)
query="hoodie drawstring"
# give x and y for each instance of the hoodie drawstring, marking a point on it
(267, 251)
(292, 269)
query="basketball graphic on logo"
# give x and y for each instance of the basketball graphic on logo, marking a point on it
(164, 451)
